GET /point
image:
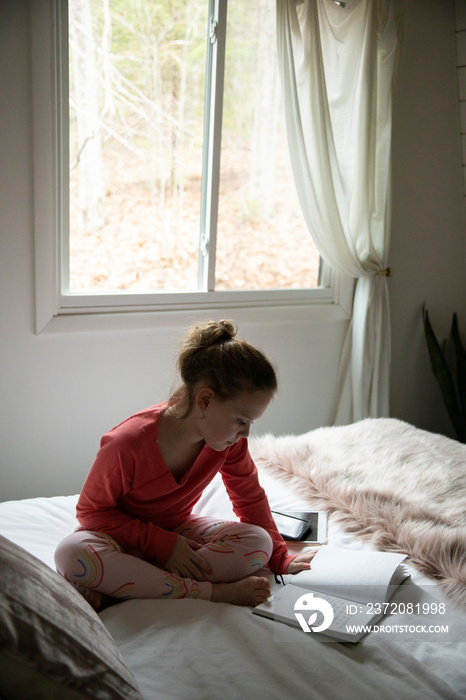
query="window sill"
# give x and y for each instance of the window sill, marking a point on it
(124, 301)
(107, 312)
(138, 319)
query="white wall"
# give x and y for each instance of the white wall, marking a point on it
(428, 249)
(62, 389)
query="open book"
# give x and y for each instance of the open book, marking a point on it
(342, 595)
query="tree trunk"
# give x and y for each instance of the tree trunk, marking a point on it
(266, 112)
(89, 146)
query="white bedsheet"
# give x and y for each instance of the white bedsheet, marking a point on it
(197, 650)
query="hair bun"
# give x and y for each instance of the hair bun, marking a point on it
(227, 329)
(211, 333)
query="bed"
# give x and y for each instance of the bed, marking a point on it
(372, 478)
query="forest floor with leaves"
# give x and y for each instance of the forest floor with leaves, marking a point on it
(145, 247)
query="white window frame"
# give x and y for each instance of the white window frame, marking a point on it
(49, 55)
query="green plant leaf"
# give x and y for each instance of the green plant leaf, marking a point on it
(460, 366)
(443, 376)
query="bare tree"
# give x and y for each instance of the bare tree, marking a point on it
(266, 111)
(89, 147)
(107, 68)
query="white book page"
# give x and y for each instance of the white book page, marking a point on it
(359, 575)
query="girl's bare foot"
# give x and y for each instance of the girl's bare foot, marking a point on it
(251, 591)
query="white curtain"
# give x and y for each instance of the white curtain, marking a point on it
(336, 65)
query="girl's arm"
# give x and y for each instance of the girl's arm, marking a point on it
(250, 502)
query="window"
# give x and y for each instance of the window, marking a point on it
(167, 182)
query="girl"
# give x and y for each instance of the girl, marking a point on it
(137, 537)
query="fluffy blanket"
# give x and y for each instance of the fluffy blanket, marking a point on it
(402, 488)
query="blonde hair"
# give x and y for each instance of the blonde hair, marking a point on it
(211, 355)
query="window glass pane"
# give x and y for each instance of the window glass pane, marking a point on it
(137, 71)
(262, 240)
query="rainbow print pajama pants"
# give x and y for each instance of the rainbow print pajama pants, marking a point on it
(95, 560)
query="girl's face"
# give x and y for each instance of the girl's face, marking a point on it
(225, 422)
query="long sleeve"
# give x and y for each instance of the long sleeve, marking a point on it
(250, 502)
(114, 476)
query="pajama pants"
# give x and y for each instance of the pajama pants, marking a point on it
(94, 559)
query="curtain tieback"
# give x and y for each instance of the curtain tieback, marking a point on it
(387, 272)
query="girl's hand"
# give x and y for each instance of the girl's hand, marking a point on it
(185, 562)
(302, 562)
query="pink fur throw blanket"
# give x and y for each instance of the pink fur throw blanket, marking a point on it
(402, 488)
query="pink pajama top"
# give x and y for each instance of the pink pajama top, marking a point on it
(131, 495)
